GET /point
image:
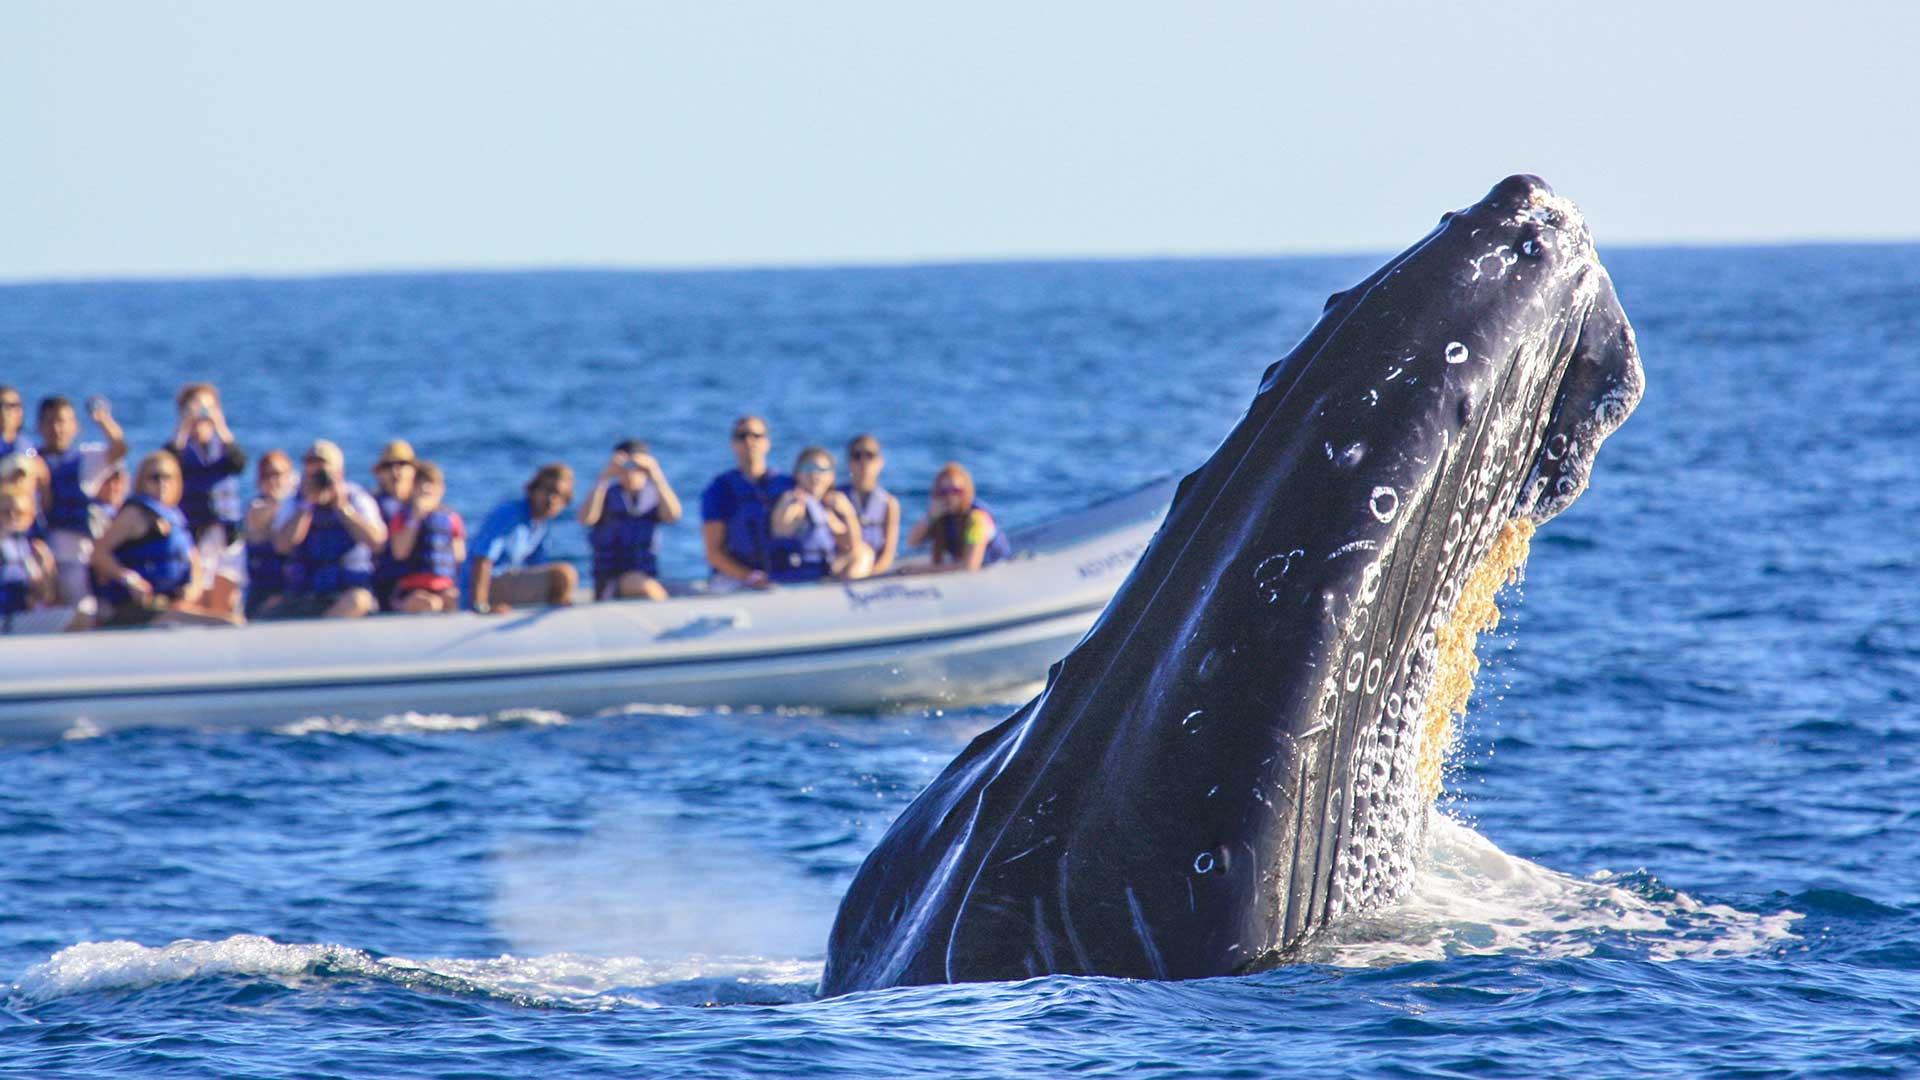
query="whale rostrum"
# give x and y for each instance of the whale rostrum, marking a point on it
(1245, 745)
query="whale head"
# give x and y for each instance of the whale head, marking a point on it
(1242, 748)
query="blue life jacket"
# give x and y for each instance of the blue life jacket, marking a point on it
(164, 559)
(432, 549)
(209, 488)
(266, 570)
(749, 539)
(16, 573)
(315, 566)
(622, 539)
(8, 446)
(808, 554)
(998, 546)
(67, 502)
(872, 515)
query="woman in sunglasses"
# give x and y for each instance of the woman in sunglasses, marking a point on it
(877, 510)
(816, 533)
(959, 527)
(143, 564)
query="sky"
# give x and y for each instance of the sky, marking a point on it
(217, 138)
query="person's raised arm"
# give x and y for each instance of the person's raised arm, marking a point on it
(669, 502)
(405, 537)
(365, 527)
(788, 513)
(291, 533)
(116, 439)
(596, 503)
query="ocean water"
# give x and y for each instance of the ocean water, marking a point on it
(1679, 838)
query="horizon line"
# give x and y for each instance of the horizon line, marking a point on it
(319, 273)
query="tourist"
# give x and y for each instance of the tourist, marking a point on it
(508, 563)
(429, 543)
(13, 420)
(327, 534)
(959, 527)
(69, 480)
(264, 565)
(734, 511)
(393, 476)
(877, 509)
(816, 533)
(143, 563)
(629, 500)
(27, 574)
(211, 464)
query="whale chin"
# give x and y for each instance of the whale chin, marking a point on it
(1248, 742)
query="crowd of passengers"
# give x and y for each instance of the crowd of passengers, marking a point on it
(83, 545)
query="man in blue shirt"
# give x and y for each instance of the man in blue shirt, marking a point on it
(735, 508)
(508, 562)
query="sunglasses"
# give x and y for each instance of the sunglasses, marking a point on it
(549, 489)
(385, 465)
(155, 477)
(814, 467)
(9, 403)
(862, 455)
(947, 489)
(744, 435)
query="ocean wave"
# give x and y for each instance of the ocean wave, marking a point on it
(1471, 898)
(558, 981)
(417, 723)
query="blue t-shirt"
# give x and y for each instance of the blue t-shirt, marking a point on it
(745, 507)
(510, 539)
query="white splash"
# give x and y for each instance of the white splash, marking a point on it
(1469, 898)
(562, 980)
(416, 722)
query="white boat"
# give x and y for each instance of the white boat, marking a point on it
(863, 646)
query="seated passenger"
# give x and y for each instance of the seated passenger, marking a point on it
(263, 576)
(143, 564)
(960, 528)
(734, 511)
(629, 500)
(326, 535)
(26, 563)
(210, 464)
(13, 419)
(816, 533)
(429, 543)
(508, 564)
(877, 509)
(70, 478)
(393, 475)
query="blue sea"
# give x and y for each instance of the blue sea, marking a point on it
(1681, 837)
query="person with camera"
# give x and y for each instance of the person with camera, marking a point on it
(211, 464)
(326, 535)
(628, 502)
(70, 477)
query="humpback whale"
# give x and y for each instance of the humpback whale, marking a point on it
(1243, 747)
